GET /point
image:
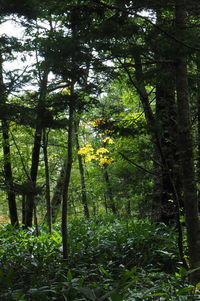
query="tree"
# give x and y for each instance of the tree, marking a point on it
(8, 173)
(66, 180)
(186, 146)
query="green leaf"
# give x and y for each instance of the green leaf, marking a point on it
(103, 271)
(183, 272)
(116, 297)
(69, 276)
(128, 274)
(88, 293)
(155, 295)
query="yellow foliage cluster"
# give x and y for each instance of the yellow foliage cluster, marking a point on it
(66, 91)
(99, 155)
(97, 122)
(107, 132)
(102, 150)
(86, 149)
(108, 140)
(89, 157)
(105, 160)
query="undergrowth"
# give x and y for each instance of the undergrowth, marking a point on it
(110, 259)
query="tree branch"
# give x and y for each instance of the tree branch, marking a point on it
(130, 12)
(138, 166)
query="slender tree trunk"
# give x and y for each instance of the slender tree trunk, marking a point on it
(156, 209)
(8, 175)
(36, 151)
(82, 174)
(144, 97)
(23, 208)
(66, 183)
(47, 180)
(109, 194)
(186, 146)
(34, 169)
(35, 219)
(7, 156)
(57, 196)
(128, 208)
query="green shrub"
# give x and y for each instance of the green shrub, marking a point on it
(110, 259)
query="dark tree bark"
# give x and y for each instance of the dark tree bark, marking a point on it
(8, 175)
(66, 183)
(36, 151)
(109, 193)
(47, 180)
(23, 208)
(7, 156)
(198, 122)
(166, 122)
(128, 208)
(162, 132)
(186, 145)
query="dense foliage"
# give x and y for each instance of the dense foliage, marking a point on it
(110, 259)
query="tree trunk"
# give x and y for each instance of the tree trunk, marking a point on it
(8, 175)
(30, 198)
(198, 123)
(57, 196)
(36, 151)
(7, 156)
(47, 180)
(82, 175)
(109, 194)
(23, 208)
(166, 116)
(66, 183)
(160, 131)
(186, 146)
(128, 208)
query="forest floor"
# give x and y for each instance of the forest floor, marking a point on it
(110, 259)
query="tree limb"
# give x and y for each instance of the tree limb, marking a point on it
(138, 166)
